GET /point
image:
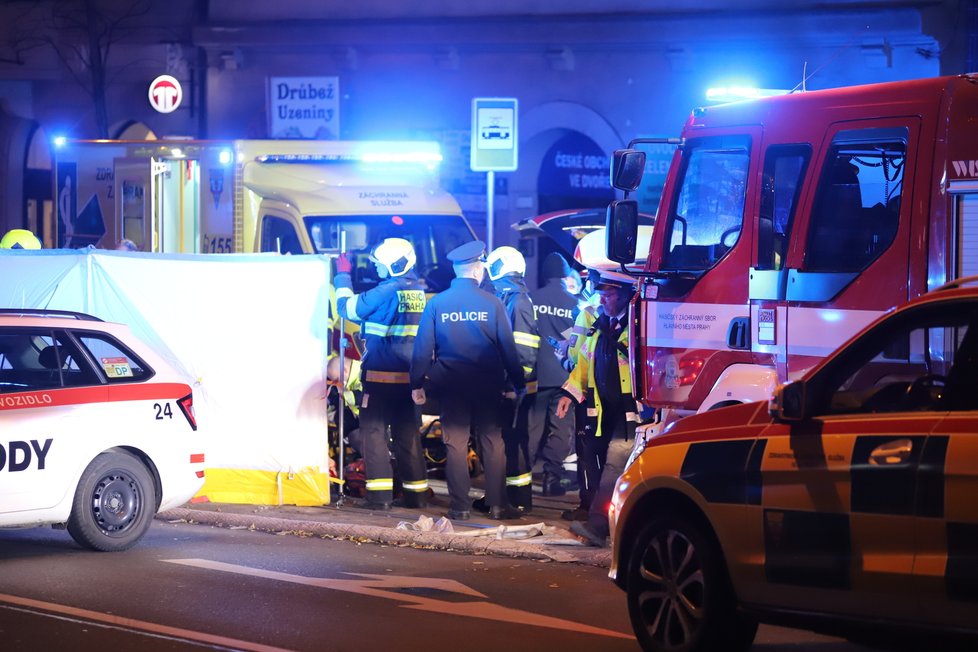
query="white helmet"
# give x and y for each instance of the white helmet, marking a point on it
(503, 261)
(395, 254)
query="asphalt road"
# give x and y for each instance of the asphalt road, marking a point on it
(187, 587)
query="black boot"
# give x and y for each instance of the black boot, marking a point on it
(552, 486)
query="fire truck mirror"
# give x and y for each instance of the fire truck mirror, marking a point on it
(622, 231)
(627, 168)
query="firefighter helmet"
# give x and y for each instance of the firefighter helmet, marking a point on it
(503, 261)
(20, 239)
(396, 255)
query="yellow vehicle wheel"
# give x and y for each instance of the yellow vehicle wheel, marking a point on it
(679, 593)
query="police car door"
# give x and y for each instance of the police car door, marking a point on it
(841, 494)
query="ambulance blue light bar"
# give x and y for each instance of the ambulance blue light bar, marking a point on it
(723, 94)
(422, 158)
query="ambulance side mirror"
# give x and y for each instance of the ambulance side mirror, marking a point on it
(622, 231)
(627, 167)
(788, 403)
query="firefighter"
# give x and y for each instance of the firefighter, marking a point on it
(19, 239)
(602, 381)
(549, 437)
(388, 316)
(506, 267)
(465, 353)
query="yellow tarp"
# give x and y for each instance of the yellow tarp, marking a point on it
(305, 487)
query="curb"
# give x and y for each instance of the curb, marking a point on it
(392, 536)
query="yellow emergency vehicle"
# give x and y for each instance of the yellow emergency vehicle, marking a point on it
(243, 196)
(846, 504)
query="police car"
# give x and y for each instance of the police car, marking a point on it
(97, 431)
(849, 503)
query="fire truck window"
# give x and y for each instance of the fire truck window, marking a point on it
(784, 169)
(279, 235)
(708, 212)
(856, 212)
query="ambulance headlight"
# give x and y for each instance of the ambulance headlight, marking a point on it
(643, 434)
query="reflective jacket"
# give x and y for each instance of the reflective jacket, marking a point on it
(354, 389)
(555, 309)
(582, 324)
(389, 315)
(581, 385)
(465, 342)
(512, 291)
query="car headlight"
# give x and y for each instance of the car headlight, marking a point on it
(643, 434)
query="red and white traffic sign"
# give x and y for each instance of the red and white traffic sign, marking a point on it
(165, 94)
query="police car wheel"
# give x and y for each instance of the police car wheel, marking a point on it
(114, 503)
(679, 595)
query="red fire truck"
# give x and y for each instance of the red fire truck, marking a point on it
(787, 224)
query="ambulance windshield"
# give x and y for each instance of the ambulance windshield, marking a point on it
(433, 236)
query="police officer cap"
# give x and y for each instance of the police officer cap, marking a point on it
(468, 253)
(606, 280)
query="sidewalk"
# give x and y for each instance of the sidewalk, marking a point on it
(346, 519)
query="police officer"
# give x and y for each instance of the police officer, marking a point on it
(602, 381)
(19, 239)
(466, 354)
(550, 437)
(506, 267)
(388, 316)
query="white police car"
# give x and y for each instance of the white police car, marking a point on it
(97, 431)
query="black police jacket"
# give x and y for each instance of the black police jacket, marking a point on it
(512, 291)
(556, 310)
(465, 342)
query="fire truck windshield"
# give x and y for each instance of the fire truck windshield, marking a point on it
(707, 212)
(433, 236)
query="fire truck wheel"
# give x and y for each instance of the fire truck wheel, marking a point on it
(114, 503)
(679, 593)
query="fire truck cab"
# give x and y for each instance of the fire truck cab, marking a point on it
(789, 223)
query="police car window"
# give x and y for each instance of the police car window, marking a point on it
(119, 364)
(39, 359)
(922, 366)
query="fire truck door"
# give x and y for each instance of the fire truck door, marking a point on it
(848, 256)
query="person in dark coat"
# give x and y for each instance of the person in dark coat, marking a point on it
(551, 438)
(465, 354)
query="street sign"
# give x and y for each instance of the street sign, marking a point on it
(165, 94)
(494, 135)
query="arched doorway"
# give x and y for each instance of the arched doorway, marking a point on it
(544, 183)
